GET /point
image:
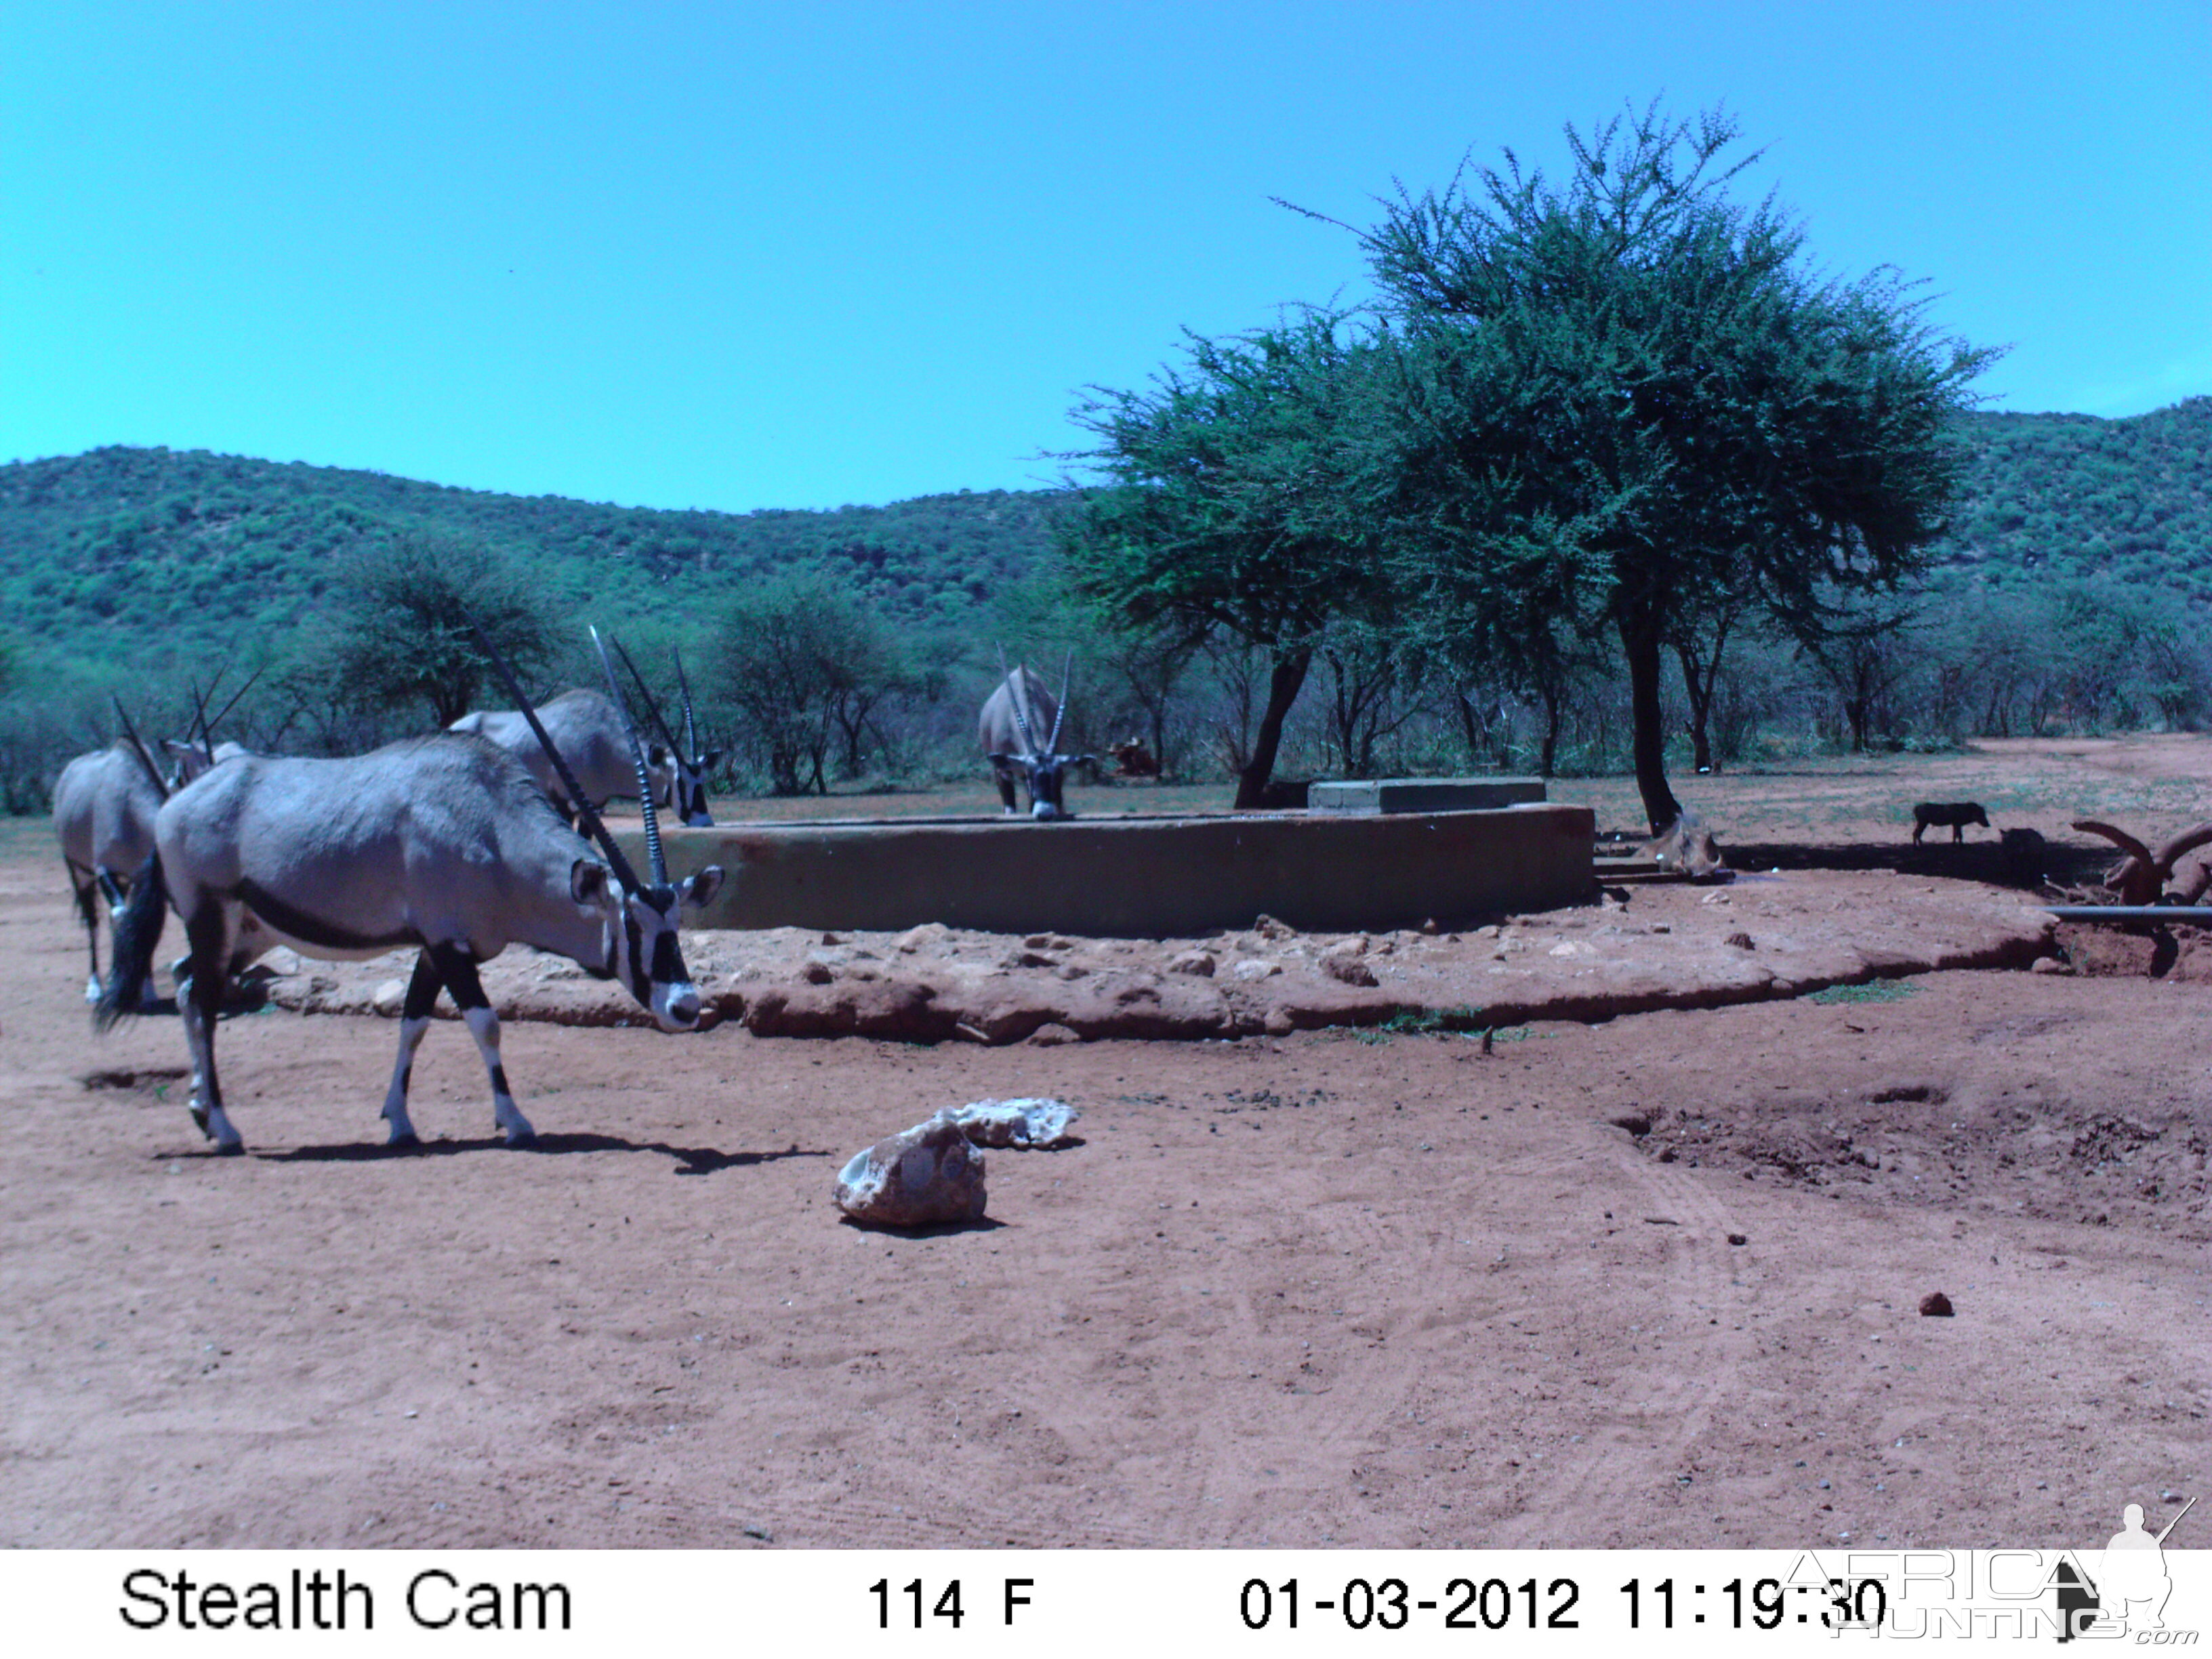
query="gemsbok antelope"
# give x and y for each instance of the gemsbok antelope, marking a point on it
(1017, 707)
(594, 739)
(692, 763)
(444, 842)
(104, 808)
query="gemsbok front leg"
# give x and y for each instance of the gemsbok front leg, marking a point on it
(458, 970)
(414, 1020)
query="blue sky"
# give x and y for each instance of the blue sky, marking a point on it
(742, 256)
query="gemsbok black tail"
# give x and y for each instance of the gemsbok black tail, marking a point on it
(138, 934)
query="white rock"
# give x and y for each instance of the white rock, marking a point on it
(1252, 968)
(1026, 1122)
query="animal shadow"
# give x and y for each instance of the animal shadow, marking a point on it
(689, 1160)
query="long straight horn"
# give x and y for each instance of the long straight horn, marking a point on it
(652, 707)
(1014, 696)
(624, 872)
(208, 731)
(691, 750)
(138, 747)
(654, 851)
(199, 708)
(1060, 714)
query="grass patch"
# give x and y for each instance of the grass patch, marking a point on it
(1469, 1023)
(1875, 990)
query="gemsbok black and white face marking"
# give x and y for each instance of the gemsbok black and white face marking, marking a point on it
(1017, 705)
(643, 930)
(691, 764)
(444, 842)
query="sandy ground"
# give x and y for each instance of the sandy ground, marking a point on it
(1336, 1286)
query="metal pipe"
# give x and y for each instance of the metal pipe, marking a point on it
(2200, 915)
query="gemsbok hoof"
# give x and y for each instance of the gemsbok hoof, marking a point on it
(527, 1138)
(230, 1149)
(411, 1140)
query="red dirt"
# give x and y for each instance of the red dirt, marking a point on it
(1332, 1287)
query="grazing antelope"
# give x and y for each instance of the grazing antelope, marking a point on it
(691, 763)
(591, 738)
(444, 842)
(1017, 707)
(104, 808)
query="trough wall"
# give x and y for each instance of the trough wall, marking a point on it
(1140, 878)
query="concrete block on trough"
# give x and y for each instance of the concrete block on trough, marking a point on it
(1373, 797)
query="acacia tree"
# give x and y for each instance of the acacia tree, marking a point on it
(1238, 505)
(804, 664)
(399, 632)
(1642, 382)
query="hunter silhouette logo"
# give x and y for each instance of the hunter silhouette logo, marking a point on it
(2128, 1593)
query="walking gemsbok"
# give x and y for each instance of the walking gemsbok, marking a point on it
(444, 842)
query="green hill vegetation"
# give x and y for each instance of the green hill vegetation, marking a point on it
(137, 570)
(120, 554)
(132, 554)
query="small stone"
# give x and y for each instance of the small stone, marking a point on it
(1254, 968)
(1268, 928)
(1053, 1035)
(928, 933)
(1739, 1238)
(1935, 1305)
(389, 997)
(1741, 941)
(928, 1173)
(1200, 964)
(816, 973)
(1347, 967)
(1431, 926)
(2049, 965)
(831, 938)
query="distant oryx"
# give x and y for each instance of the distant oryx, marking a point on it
(446, 842)
(692, 762)
(592, 739)
(1016, 708)
(104, 808)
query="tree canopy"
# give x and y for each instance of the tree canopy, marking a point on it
(1629, 396)
(1239, 502)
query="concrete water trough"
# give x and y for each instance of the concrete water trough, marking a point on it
(1156, 878)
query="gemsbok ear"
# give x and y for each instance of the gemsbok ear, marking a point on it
(712, 758)
(699, 890)
(587, 881)
(657, 755)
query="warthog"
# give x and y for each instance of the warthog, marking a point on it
(1957, 814)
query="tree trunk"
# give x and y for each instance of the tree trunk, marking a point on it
(1286, 678)
(1699, 689)
(1640, 643)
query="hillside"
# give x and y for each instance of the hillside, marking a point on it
(103, 553)
(2071, 496)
